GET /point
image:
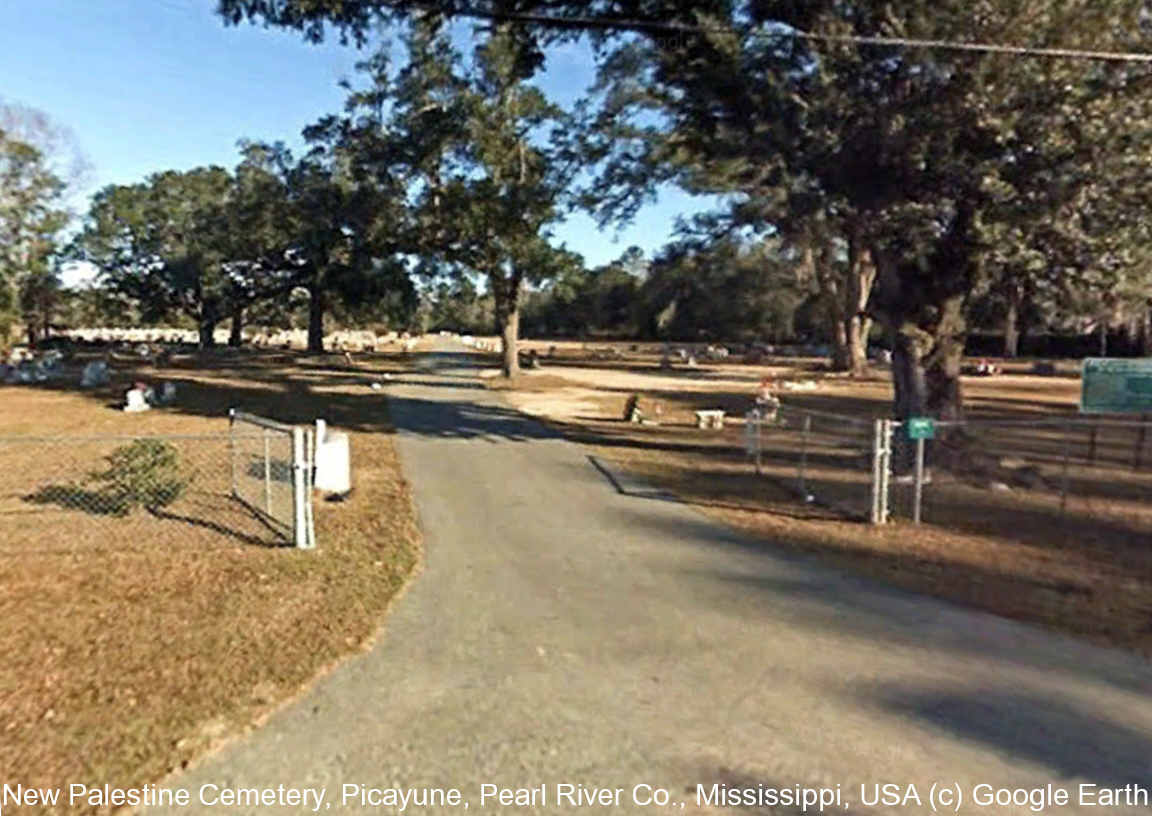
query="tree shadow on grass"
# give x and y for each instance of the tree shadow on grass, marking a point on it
(76, 497)
(100, 503)
(275, 538)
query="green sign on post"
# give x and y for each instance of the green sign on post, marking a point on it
(1109, 386)
(921, 428)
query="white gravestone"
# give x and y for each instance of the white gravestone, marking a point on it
(135, 400)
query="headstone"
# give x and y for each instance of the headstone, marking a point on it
(165, 396)
(632, 412)
(135, 400)
(95, 374)
(710, 419)
(51, 359)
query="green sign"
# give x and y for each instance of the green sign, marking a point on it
(921, 428)
(1110, 386)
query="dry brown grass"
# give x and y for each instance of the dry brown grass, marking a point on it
(124, 658)
(1086, 570)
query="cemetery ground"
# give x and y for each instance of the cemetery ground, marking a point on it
(132, 645)
(1007, 548)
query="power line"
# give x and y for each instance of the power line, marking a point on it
(659, 27)
(991, 48)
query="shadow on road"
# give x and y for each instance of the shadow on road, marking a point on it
(1068, 740)
(828, 600)
(464, 420)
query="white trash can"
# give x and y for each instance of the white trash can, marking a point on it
(333, 460)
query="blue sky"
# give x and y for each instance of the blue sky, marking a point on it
(148, 85)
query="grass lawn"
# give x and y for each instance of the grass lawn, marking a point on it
(1085, 570)
(133, 645)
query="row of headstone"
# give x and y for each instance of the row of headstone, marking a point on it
(135, 337)
(480, 343)
(24, 365)
(348, 340)
(24, 373)
(358, 341)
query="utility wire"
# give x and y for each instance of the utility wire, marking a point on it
(991, 48)
(658, 27)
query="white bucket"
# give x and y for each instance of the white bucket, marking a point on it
(333, 460)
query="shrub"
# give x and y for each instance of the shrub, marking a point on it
(144, 473)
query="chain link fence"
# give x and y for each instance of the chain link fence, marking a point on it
(828, 459)
(1085, 476)
(1090, 476)
(248, 486)
(272, 474)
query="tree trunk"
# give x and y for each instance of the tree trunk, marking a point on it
(207, 333)
(236, 335)
(509, 342)
(858, 288)
(507, 302)
(841, 359)
(317, 305)
(1103, 334)
(1146, 332)
(909, 387)
(945, 398)
(927, 346)
(1011, 325)
(846, 301)
(857, 328)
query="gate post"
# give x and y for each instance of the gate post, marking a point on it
(300, 492)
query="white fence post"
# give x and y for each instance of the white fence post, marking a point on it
(874, 515)
(884, 474)
(300, 493)
(881, 470)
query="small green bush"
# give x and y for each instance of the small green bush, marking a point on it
(144, 473)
